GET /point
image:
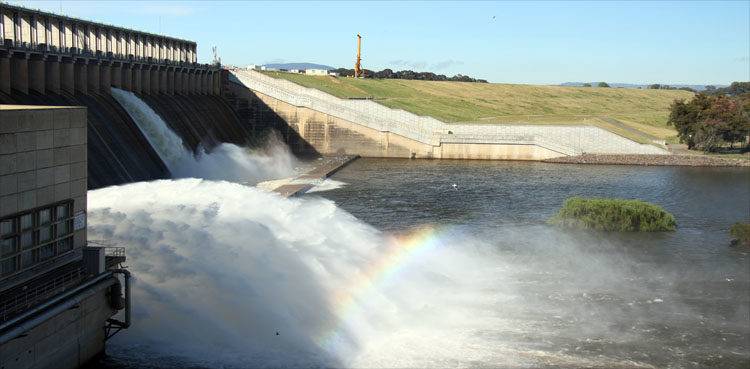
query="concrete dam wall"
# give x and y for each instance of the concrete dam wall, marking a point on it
(55, 60)
(332, 125)
(311, 131)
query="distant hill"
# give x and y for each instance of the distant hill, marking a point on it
(633, 85)
(289, 66)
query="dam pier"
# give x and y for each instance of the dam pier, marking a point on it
(43, 52)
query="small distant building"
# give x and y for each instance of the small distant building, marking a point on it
(333, 74)
(317, 72)
(294, 71)
(268, 69)
(252, 67)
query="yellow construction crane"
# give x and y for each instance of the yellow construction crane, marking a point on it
(357, 67)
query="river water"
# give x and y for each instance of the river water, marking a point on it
(581, 299)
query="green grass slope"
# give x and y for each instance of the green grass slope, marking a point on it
(637, 114)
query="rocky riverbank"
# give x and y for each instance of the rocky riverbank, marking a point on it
(676, 160)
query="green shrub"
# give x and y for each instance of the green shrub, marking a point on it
(614, 215)
(741, 233)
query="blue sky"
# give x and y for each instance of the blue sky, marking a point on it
(542, 42)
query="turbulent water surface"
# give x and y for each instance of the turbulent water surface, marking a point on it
(414, 264)
(400, 268)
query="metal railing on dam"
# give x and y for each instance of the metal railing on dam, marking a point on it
(564, 139)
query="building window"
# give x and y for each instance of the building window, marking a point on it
(8, 246)
(7, 227)
(27, 240)
(45, 216)
(45, 234)
(27, 221)
(32, 237)
(8, 266)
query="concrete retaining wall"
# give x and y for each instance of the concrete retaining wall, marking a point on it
(422, 136)
(67, 341)
(330, 135)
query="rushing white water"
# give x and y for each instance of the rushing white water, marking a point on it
(228, 276)
(223, 162)
(327, 185)
(220, 268)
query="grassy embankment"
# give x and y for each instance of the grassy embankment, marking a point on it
(614, 215)
(640, 115)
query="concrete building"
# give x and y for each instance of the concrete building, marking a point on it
(57, 296)
(42, 52)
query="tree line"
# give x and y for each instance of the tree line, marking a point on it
(408, 74)
(600, 84)
(657, 86)
(735, 89)
(714, 119)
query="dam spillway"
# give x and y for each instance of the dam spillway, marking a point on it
(49, 59)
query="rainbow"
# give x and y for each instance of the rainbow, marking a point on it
(348, 303)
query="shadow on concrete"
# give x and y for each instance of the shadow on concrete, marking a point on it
(262, 120)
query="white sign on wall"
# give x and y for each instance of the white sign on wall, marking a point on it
(79, 221)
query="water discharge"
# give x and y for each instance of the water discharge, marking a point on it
(223, 162)
(223, 268)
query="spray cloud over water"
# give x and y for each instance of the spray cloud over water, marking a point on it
(223, 162)
(222, 268)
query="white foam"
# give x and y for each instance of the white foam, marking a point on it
(327, 185)
(223, 162)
